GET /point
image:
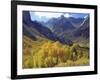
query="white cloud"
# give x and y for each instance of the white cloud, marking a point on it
(47, 14)
(67, 15)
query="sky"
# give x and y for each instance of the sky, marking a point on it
(44, 16)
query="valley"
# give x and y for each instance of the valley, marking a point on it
(55, 43)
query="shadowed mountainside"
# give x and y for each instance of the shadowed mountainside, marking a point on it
(34, 29)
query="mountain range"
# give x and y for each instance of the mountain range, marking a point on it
(62, 29)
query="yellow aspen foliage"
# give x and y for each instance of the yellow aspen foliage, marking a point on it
(51, 54)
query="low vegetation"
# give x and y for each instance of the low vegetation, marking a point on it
(44, 53)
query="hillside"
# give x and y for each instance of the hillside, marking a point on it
(46, 53)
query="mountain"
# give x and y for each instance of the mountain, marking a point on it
(26, 25)
(43, 30)
(62, 29)
(70, 28)
(76, 22)
(35, 29)
(60, 24)
(83, 30)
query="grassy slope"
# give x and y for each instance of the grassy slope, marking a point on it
(46, 53)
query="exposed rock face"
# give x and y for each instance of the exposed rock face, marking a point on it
(33, 29)
(69, 28)
(55, 29)
(83, 30)
(75, 26)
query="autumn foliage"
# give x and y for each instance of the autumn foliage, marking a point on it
(53, 54)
